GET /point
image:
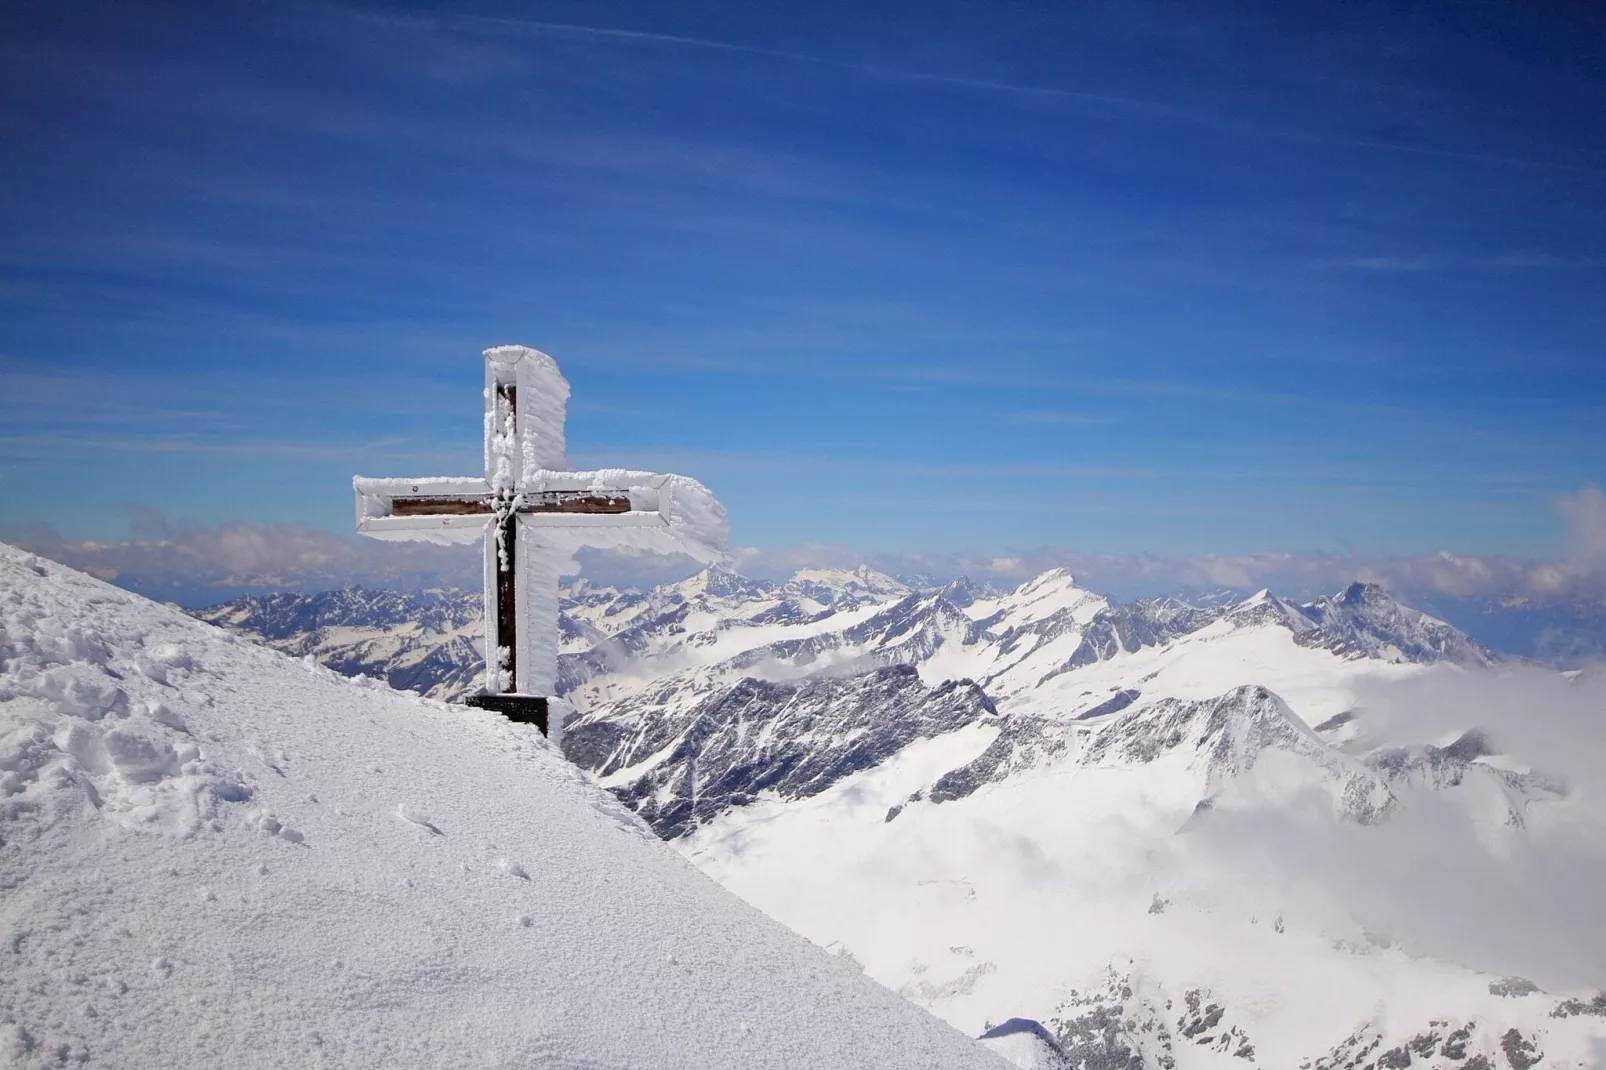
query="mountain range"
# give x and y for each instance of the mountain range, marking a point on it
(1144, 825)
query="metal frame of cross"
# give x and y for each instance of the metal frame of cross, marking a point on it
(532, 514)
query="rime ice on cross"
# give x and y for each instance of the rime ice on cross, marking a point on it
(533, 515)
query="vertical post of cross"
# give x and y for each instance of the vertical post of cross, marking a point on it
(502, 463)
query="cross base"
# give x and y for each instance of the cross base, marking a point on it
(521, 709)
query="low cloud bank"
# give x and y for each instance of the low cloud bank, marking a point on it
(1445, 876)
(1580, 572)
(195, 563)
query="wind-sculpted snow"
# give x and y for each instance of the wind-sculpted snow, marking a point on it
(215, 855)
(681, 767)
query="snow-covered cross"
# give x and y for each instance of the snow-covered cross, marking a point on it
(533, 514)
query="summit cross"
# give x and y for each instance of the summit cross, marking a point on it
(532, 514)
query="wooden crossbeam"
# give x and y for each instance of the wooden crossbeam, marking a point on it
(547, 502)
(440, 506)
(583, 503)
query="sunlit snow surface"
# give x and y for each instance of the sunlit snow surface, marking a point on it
(1316, 908)
(1252, 834)
(212, 855)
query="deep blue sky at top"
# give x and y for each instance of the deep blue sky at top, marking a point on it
(1173, 277)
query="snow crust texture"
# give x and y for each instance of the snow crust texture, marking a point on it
(213, 855)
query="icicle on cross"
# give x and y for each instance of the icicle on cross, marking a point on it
(533, 515)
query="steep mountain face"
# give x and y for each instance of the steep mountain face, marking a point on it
(1223, 739)
(1131, 1021)
(840, 589)
(1501, 796)
(423, 641)
(1363, 621)
(1183, 869)
(792, 740)
(1568, 632)
(1129, 628)
(1217, 741)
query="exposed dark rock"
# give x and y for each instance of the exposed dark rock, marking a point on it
(1363, 621)
(1338, 720)
(1512, 987)
(1114, 704)
(1520, 1051)
(1022, 742)
(1595, 1008)
(1455, 1045)
(792, 739)
(1130, 628)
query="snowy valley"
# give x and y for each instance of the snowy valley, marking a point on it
(1242, 832)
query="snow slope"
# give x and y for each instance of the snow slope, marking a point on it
(213, 855)
(1200, 883)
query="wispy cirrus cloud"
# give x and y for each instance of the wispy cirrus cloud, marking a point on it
(1516, 260)
(1134, 107)
(1028, 419)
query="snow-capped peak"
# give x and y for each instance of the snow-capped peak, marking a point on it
(1363, 620)
(716, 581)
(844, 588)
(1047, 595)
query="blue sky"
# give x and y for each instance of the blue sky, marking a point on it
(1125, 277)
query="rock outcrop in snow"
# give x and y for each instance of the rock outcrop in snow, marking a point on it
(681, 767)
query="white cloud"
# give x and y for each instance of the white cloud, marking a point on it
(1585, 513)
(1444, 876)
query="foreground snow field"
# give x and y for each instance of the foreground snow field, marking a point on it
(213, 855)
